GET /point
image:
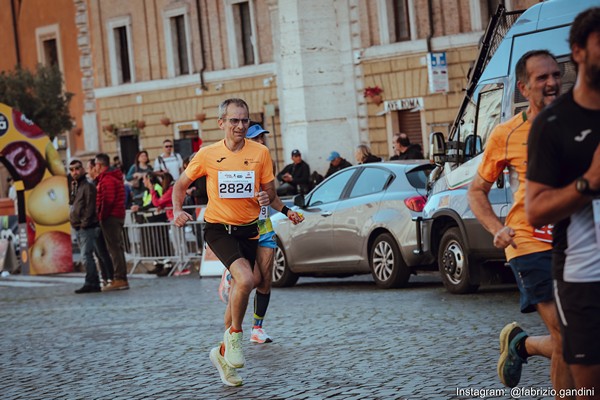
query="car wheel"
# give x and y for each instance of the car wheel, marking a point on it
(282, 276)
(387, 265)
(454, 263)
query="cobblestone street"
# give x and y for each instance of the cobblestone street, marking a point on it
(333, 338)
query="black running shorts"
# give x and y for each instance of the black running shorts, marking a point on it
(230, 242)
(578, 307)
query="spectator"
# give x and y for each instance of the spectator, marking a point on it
(563, 187)
(169, 161)
(100, 250)
(363, 155)
(404, 150)
(163, 199)
(110, 206)
(135, 176)
(84, 221)
(336, 163)
(295, 177)
(118, 164)
(195, 194)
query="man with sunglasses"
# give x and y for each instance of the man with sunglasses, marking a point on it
(84, 221)
(169, 161)
(236, 169)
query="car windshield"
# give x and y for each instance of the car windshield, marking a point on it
(418, 177)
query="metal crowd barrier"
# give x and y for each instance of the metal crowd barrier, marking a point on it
(147, 240)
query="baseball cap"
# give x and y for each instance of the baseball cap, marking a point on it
(296, 152)
(254, 131)
(333, 156)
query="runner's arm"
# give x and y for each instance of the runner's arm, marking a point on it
(180, 217)
(483, 211)
(545, 204)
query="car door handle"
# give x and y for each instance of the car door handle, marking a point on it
(326, 213)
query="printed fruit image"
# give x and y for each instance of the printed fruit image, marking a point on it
(26, 126)
(55, 164)
(51, 253)
(27, 161)
(30, 230)
(48, 202)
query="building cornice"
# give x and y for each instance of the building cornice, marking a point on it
(441, 43)
(186, 80)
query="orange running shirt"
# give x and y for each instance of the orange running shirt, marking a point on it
(507, 147)
(254, 168)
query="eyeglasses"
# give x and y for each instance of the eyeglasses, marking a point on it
(168, 146)
(236, 121)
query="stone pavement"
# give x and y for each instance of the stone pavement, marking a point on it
(334, 338)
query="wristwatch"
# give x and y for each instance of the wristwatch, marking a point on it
(583, 186)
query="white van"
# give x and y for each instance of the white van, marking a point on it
(450, 234)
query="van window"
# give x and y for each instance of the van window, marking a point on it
(467, 122)
(489, 112)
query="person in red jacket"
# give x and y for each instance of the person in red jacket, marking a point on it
(164, 200)
(110, 206)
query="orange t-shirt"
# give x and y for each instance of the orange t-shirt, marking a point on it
(232, 180)
(507, 147)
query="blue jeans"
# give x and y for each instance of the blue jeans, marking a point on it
(87, 242)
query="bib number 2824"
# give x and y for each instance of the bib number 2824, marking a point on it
(236, 184)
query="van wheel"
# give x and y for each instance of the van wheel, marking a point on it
(454, 263)
(387, 265)
(282, 276)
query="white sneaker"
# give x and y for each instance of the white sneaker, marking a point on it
(225, 286)
(259, 335)
(229, 376)
(234, 356)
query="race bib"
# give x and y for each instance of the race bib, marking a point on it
(543, 234)
(236, 184)
(264, 213)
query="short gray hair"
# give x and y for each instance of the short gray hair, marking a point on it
(238, 102)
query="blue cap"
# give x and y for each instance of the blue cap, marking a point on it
(254, 131)
(333, 156)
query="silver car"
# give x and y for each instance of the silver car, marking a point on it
(358, 221)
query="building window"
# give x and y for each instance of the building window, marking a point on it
(178, 42)
(396, 21)
(243, 48)
(48, 46)
(120, 51)
(401, 21)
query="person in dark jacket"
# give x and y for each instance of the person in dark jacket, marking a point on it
(295, 177)
(336, 163)
(363, 155)
(110, 206)
(405, 150)
(84, 221)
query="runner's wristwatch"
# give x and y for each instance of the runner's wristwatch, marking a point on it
(583, 186)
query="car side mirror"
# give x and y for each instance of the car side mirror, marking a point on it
(299, 201)
(437, 148)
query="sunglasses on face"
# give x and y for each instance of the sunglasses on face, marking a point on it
(168, 146)
(236, 121)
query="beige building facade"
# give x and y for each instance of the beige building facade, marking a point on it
(155, 69)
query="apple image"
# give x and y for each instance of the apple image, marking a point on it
(26, 126)
(51, 253)
(27, 161)
(30, 230)
(48, 202)
(55, 164)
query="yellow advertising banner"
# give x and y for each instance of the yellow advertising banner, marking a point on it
(41, 182)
